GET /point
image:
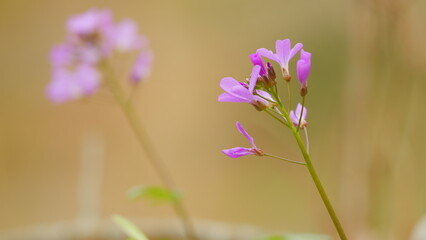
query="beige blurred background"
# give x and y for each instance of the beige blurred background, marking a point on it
(366, 110)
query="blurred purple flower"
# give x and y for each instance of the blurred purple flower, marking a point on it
(256, 59)
(295, 116)
(304, 68)
(239, 92)
(284, 53)
(241, 151)
(92, 37)
(69, 85)
(89, 23)
(126, 37)
(142, 67)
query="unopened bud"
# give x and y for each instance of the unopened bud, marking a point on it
(303, 91)
(271, 71)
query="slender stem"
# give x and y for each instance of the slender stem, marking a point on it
(306, 138)
(275, 117)
(284, 159)
(143, 140)
(289, 94)
(319, 186)
(301, 113)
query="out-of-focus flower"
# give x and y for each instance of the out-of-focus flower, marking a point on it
(239, 92)
(126, 37)
(92, 38)
(73, 84)
(142, 67)
(304, 68)
(241, 151)
(89, 23)
(295, 116)
(284, 53)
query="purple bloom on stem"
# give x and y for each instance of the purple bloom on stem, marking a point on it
(89, 22)
(284, 53)
(69, 85)
(237, 92)
(256, 59)
(304, 68)
(241, 151)
(142, 67)
(126, 36)
(295, 116)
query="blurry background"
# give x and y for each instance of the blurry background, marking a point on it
(366, 106)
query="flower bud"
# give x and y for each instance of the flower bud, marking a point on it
(303, 91)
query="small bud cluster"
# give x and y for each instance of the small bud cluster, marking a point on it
(261, 90)
(93, 37)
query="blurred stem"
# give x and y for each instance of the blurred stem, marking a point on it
(289, 94)
(143, 140)
(284, 159)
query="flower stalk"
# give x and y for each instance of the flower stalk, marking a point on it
(145, 143)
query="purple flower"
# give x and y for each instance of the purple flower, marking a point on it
(304, 68)
(256, 59)
(295, 116)
(284, 53)
(69, 84)
(126, 37)
(241, 151)
(90, 22)
(142, 67)
(239, 92)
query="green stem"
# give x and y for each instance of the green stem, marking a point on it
(143, 140)
(319, 186)
(284, 159)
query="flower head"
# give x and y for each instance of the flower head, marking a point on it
(239, 92)
(92, 38)
(284, 53)
(241, 151)
(304, 68)
(295, 116)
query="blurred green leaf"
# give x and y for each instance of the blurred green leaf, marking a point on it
(131, 230)
(299, 236)
(155, 194)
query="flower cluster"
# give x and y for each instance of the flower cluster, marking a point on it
(93, 37)
(261, 91)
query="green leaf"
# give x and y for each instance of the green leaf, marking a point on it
(131, 230)
(299, 236)
(155, 194)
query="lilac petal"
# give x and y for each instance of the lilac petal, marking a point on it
(142, 67)
(268, 54)
(61, 55)
(298, 109)
(88, 22)
(227, 83)
(244, 132)
(294, 118)
(126, 36)
(283, 50)
(241, 92)
(256, 59)
(226, 97)
(237, 152)
(305, 112)
(265, 94)
(303, 69)
(253, 77)
(295, 49)
(87, 78)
